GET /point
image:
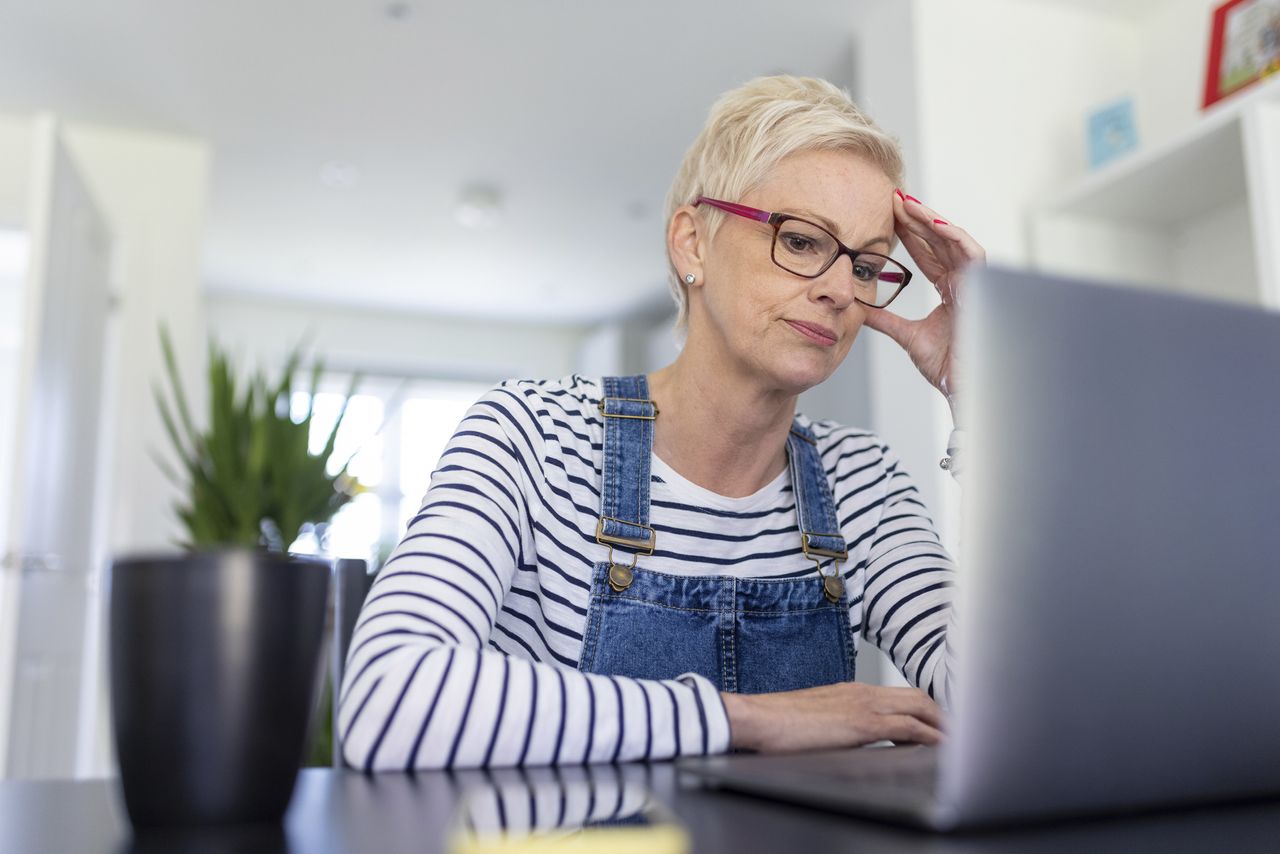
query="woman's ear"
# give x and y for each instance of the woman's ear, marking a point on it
(684, 243)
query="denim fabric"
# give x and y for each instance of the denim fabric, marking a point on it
(624, 495)
(751, 636)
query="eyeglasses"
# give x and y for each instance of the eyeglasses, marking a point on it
(808, 250)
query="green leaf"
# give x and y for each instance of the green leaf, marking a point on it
(251, 464)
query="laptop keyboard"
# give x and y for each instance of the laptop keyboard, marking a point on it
(912, 768)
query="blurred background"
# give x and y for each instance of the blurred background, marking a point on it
(439, 196)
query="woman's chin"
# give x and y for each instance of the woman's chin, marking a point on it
(797, 375)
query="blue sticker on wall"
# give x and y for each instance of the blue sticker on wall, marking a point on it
(1112, 132)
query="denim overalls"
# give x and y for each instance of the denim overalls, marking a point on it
(747, 635)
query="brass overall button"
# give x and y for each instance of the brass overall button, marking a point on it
(833, 587)
(620, 577)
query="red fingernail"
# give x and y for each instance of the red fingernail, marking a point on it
(941, 222)
(914, 199)
(899, 192)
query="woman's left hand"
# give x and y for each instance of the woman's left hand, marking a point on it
(943, 252)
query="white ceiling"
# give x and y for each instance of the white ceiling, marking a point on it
(578, 111)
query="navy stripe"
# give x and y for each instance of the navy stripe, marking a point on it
(564, 717)
(494, 592)
(543, 593)
(436, 579)
(497, 484)
(529, 621)
(530, 654)
(434, 601)
(369, 663)
(366, 618)
(591, 720)
(724, 514)
(533, 716)
(702, 719)
(924, 658)
(888, 616)
(431, 711)
(356, 716)
(502, 710)
(466, 711)
(471, 490)
(875, 600)
(648, 723)
(622, 720)
(675, 714)
(428, 635)
(386, 725)
(469, 509)
(935, 633)
(913, 621)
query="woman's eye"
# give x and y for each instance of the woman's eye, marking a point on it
(865, 272)
(797, 243)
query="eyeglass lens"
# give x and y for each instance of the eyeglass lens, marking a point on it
(805, 249)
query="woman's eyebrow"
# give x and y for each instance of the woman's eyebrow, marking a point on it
(886, 241)
(835, 229)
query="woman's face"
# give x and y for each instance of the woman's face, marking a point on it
(758, 311)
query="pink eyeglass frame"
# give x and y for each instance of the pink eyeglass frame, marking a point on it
(901, 279)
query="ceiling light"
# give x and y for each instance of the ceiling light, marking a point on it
(479, 206)
(398, 10)
(339, 175)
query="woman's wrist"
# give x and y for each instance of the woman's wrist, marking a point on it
(740, 710)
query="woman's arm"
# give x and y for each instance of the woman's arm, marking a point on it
(906, 611)
(907, 595)
(423, 687)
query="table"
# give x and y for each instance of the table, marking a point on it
(345, 811)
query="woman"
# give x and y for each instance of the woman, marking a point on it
(644, 567)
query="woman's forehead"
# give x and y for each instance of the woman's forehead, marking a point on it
(843, 192)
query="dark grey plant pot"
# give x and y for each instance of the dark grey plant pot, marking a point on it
(213, 671)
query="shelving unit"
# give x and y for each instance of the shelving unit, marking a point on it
(1199, 214)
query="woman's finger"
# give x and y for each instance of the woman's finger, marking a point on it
(950, 242)
(919, 705)
(905, 728)
(913, 240)
(921, 220)
(886, 322)
(970, 250)
(914, 702)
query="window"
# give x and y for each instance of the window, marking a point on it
(394, 435)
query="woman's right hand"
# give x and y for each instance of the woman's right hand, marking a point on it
(847, 714)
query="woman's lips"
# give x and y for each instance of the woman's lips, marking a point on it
(817, 334)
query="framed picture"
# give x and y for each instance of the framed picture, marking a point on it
(1244, 46)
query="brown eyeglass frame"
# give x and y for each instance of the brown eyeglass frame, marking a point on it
(777, 219)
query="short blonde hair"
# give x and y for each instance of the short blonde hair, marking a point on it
(750, 129)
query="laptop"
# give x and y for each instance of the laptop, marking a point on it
(1119, 578)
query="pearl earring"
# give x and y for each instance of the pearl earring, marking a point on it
(690, 279)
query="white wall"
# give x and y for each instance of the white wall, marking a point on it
(391, 343)
(1003, 89)
(151, 188)
(15, 166)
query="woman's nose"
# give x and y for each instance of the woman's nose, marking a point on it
(837, 285)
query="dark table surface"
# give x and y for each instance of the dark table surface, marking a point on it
(336, 811)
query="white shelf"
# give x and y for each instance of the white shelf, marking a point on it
(1198, 171)
(1198, 214)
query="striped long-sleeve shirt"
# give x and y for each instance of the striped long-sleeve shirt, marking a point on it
(466, 650)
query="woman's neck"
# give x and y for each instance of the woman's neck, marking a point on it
(717, 427)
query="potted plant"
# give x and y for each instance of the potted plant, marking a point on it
(215, 651)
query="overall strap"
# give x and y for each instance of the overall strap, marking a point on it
(819, 530)
(624, 490)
